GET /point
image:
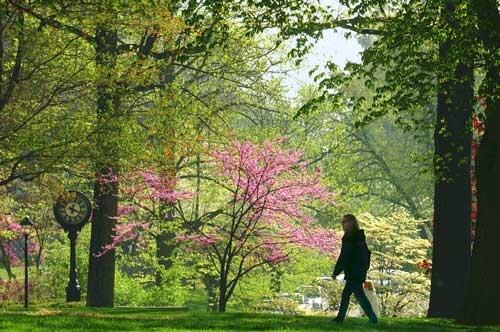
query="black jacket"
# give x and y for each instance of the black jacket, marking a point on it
(354, 257)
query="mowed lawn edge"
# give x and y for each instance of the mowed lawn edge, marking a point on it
(138, 319)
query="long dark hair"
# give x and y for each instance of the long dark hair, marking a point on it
(354, 222)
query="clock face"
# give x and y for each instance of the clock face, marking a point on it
(72, 209)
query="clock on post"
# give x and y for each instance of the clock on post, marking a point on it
(72, 211)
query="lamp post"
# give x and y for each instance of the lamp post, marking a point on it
(26, 225)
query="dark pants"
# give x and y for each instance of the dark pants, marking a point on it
(357, 289)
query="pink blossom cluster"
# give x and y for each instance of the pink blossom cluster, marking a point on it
(199, 239)
(124, 232)
(124, 210)
(273, 181)
(149, 185)
(325, 240)
(272, 251)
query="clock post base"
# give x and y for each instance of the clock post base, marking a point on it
(73, 293)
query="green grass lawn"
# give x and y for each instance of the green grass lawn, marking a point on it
(130, 319)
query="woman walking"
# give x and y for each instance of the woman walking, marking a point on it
(354, 261)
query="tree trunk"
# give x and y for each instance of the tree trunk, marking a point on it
(211, 285)
(223, 292)
(481, 305)
(222, 301)
(6, 263)
(452, 191)
(165, 244)
(101, 274)
(277, 273)
(164, 251)
(452, 201)
(483, 293)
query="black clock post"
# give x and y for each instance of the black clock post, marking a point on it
(72, 211)
(73, 290)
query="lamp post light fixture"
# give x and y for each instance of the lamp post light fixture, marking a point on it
(26, 226)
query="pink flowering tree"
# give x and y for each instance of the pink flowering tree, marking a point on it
(264, 215)
(11, 249)
(258, 212)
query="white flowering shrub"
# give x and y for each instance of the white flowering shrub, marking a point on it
(398, 251)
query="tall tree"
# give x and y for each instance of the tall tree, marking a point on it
(101, 275)
(483, 288)
(419, 48)
(452, 165)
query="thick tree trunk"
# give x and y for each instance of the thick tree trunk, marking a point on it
(452, 191)
(483, 293)
(101, 274)
(483, 296)
(452, 201)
